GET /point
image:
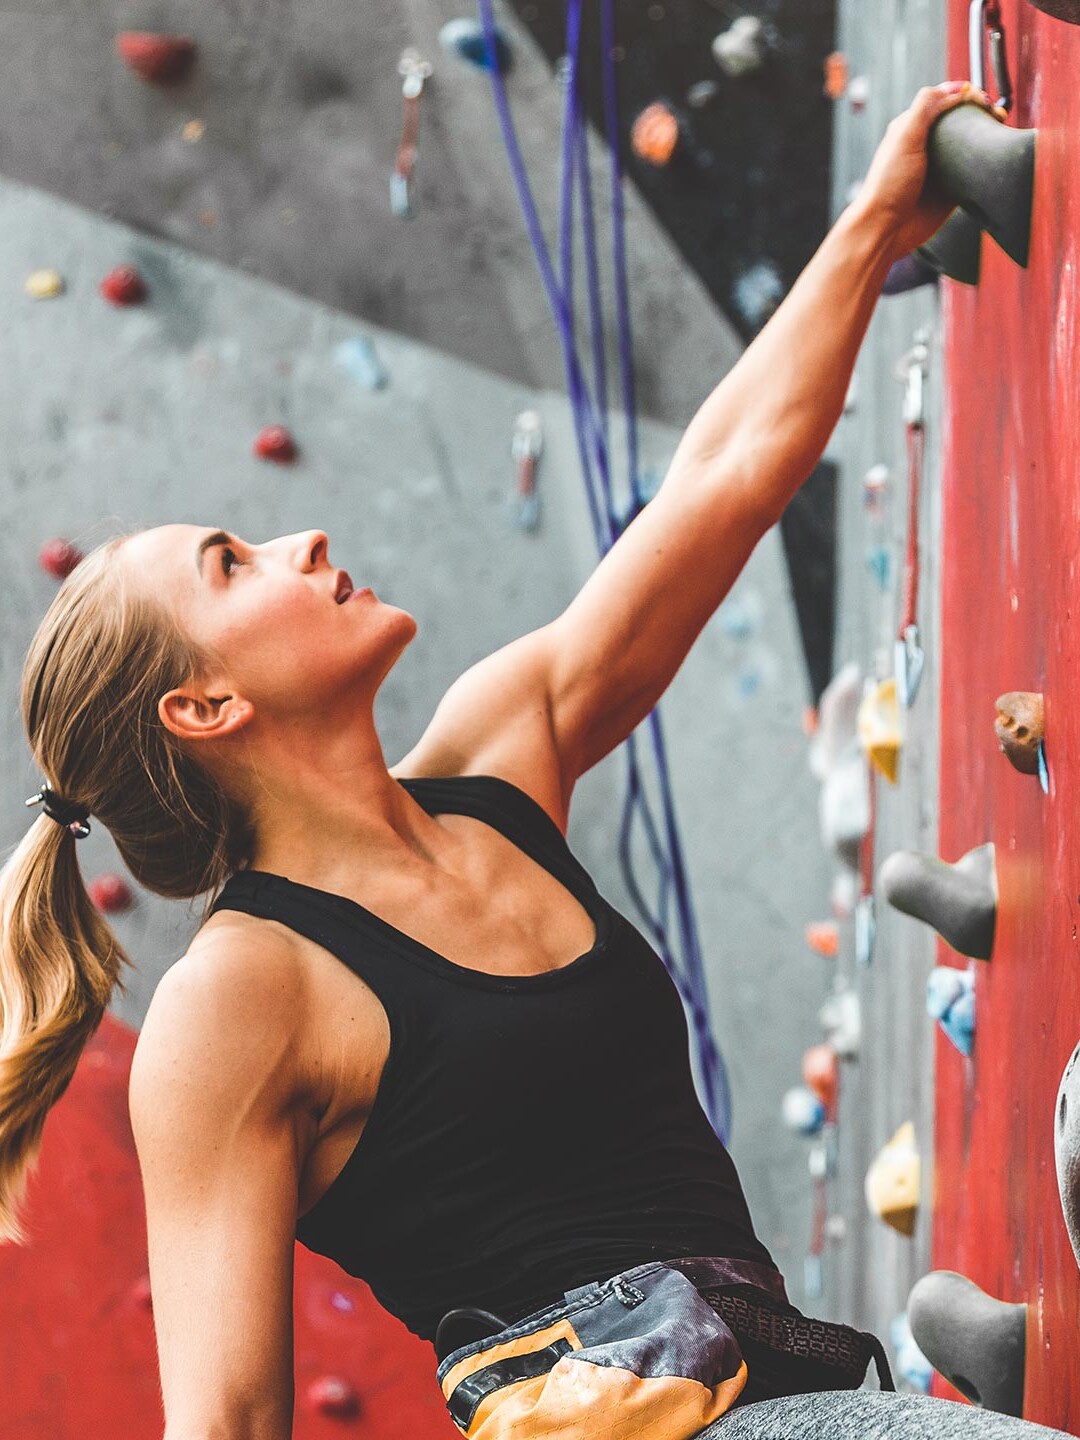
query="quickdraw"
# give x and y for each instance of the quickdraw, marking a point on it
(414, 70)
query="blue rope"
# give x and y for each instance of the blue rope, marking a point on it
(591, 428)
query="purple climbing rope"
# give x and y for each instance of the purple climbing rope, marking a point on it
(591, 425)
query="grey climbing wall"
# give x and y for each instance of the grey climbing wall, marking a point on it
(897, 47)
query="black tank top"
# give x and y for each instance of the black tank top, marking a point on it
(530, 1133)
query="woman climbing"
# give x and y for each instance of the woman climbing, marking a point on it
(410, 1031)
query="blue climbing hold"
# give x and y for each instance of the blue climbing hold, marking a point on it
(877, 562)
(911, 1364)
(360, 361)
(465, 38)
(950, 999)
(1044, 773)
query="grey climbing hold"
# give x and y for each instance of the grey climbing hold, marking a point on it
(959, 901)
(975, 1341)
(1067, 1148)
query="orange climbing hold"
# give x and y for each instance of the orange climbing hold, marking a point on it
(157, 59)
(823, 937)
(821, 1074)
(655, 135)
(836, 74)
(275, 443)
(123, 286)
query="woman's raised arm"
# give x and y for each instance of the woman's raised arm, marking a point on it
(212, 1103)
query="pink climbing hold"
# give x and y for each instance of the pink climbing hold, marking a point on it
(275, 443)
(110, 893)
(157, 59)
(330, 1395)
(59, 558)
(140, 1292)
(123, 286)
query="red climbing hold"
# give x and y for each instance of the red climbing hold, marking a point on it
(123, 286)
(110, 893)
(275, 443)
(158, 59)
(330, 1395)
(59, 558)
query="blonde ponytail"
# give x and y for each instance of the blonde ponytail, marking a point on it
(59, 966)
(99, 662)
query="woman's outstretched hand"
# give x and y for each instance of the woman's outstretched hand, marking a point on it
(895, 185)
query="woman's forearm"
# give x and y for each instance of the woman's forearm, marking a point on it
(770, 418)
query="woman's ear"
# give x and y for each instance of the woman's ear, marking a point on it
(191, 716)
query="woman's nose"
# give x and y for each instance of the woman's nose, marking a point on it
(314, 545)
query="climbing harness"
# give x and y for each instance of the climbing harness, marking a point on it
(909, 652)
(414, 70)
(589, 407)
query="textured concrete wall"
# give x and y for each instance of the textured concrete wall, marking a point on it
(146, 416)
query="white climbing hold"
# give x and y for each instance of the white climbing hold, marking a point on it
(44, 284)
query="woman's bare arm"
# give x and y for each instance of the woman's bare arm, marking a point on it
(213, 1107)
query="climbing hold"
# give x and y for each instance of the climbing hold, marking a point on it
(333, 1396)
(958, 900)
(823, 937)
(836, 74)
(1067, 10)
(959, 1021)
(275, 443)
(44, 284)
(956, 249)
(757, 292)
(59, 558)
(892, 1182)
(876, 480)
(911, 1364)
(950, 1000)
(988, 168)
(844, 806)
(140, 1293)
(877, 562)
(110, 893)
(858, 92)
(359, 359)
(654, 136)
(975, 1341)
(465, 38)
(1019, 727)
(742, 48)
(844, 892)
(865, 929)
(821, 1074)
(193, 131)
(879, 728)
(123, 286)
(840, 1018)
(908, 273)
(1067, 1148)
(803, 1111)
(944, 985)
(158, 59)
(838, 709)
(703, 93)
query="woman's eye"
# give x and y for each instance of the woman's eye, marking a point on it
(226, 556)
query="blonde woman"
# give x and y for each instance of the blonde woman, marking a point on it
(410, 1032)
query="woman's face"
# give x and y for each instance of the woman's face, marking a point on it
(269, 614)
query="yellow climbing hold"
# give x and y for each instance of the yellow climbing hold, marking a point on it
(45, 284)
(879, 728)
(892, 1182)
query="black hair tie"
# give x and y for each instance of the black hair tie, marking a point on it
(65, 812)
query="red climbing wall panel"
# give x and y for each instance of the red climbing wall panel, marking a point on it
(78, 1360)
(1011, 581)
